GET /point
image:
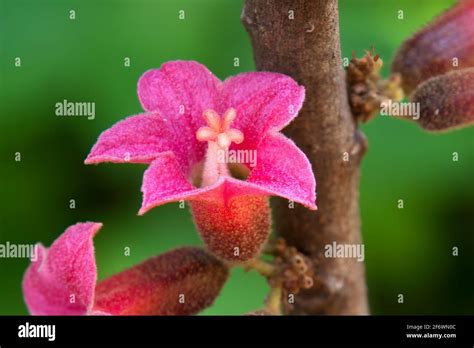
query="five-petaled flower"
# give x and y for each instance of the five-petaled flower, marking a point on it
(62, 281)
(190, 116)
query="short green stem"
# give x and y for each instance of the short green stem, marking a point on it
(273, 303)
(264, 268)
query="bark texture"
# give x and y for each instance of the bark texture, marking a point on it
(300, 38)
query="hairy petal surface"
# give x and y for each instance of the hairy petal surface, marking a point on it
(62, 280)
(264, 101)
(177, 84)
(164, 182)
(140, 139)
(283, 170)
(181, 91)
(136, 139)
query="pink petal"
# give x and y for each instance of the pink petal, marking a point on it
(140, 139)
(62, 280)
(164, 182)
(136, 139)
(283, 170)
(264, 101)
(180, 91)
(176, 84)
(300, 189)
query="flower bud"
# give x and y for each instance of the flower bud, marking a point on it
(445, 44)
(180, 282)
(446, 101)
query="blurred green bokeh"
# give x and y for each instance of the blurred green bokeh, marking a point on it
(408, 251)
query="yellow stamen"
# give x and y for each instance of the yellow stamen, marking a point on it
(218, 129)
(219, 135)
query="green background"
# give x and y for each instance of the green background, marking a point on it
(408, 250)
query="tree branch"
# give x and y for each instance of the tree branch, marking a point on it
(307, 48)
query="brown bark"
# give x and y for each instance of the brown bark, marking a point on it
(308, 49)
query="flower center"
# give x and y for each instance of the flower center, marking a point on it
(219, 135)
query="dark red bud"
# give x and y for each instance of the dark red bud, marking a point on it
(180, 282)
(446, 101)
(445, 44)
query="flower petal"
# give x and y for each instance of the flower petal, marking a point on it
(180, 282)
(62, 280)
(264, 101)
(164, 182)
(136, 139)
(180, 91)
(295, 185)
(140, 139)
(283, 170)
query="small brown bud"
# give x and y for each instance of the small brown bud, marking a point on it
(446, 101)
(445, 44)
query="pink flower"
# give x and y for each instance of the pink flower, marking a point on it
(192, 126)
(62, 281)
